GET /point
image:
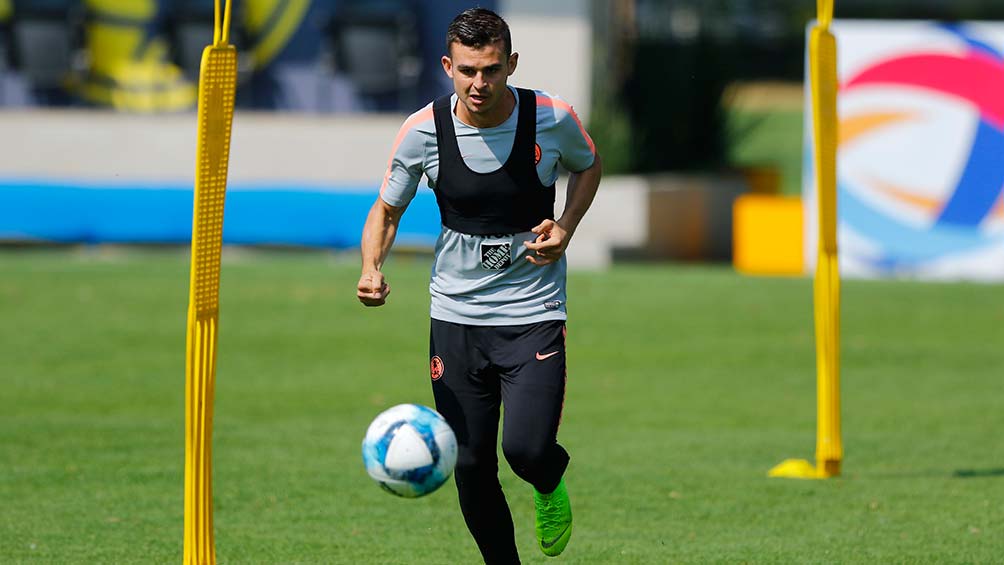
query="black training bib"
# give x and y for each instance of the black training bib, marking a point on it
(508, 200)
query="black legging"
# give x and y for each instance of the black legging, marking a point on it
(475, 370)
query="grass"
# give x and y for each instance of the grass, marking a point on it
(685, 385)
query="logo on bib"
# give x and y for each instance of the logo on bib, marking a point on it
(496, 256)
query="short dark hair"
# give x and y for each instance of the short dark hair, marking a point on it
(477, 28)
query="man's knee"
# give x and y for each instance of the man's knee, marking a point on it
(473, 464)
(525, 456)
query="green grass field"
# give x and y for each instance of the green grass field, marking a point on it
(686, 384)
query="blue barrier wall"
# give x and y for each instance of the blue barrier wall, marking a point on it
(255, 214)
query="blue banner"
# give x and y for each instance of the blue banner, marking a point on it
(254, 215)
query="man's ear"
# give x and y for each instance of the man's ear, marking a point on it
(513, 59)
(447, 66)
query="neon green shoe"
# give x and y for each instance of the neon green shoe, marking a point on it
(554, 520)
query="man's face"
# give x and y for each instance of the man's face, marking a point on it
(479, 78)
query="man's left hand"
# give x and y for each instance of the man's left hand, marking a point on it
(550, 244)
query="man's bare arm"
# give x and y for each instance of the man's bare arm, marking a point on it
(378, 237)
(553, 236)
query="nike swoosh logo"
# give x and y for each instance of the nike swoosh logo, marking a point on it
(542, 357)
(548, 544)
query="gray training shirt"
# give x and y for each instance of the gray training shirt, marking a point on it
(464, 286)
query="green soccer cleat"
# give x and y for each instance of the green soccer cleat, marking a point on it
(554, 520)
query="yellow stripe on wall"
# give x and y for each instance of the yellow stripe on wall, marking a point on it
(128, 9)
(276, 37)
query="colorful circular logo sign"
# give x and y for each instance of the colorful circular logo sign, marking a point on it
(921, 170)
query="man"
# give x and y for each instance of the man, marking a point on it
(491, 153)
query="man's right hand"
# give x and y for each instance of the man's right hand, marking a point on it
(372, 289)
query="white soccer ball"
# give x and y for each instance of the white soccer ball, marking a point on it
(409, 450)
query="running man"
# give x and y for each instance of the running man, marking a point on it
(491, 154)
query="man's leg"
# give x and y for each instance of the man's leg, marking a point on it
(533, 392)
(468, 395)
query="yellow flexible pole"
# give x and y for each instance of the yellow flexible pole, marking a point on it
(217, 84)
(826, 286)
(829, 448)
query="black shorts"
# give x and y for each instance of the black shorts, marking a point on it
(474, 369)
(508, 350)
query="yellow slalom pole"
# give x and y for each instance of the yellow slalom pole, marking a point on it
(217, 84)
(826, 286)
(829, 448)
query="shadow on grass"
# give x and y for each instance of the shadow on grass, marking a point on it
(930, 474)
(978, 473)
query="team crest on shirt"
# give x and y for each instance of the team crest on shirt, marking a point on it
(436, 368)
(496, 256)
(536, 153)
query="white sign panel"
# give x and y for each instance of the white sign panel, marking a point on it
(920, 165)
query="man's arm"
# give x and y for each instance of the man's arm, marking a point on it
(553, 236)
(378, 236)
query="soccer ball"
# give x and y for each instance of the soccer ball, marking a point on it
(409, 450)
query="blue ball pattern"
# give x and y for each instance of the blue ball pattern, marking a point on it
(417, 481)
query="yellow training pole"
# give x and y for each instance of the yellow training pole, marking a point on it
(829, 448)
(217, 83)
(826, 286)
